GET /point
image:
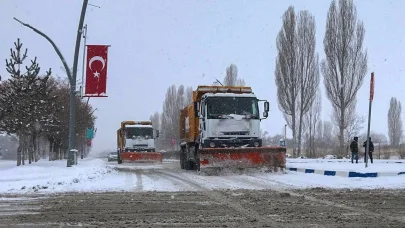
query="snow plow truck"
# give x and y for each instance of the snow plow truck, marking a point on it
(136, 142)
(221, 129)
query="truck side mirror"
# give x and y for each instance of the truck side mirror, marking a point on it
(196, 111)
(157, 133)
(265, 114)
(266, 106)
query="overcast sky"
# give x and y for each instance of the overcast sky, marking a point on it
(157, 43)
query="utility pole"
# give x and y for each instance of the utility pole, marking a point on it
(369, 118)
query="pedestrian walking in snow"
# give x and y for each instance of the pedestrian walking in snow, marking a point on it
(354, 147)
(371, 149)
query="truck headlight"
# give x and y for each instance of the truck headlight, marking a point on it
(256, 144)
(212, 144)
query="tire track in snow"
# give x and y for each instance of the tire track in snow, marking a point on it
(219, 197)
(328, 202)
(153, 175)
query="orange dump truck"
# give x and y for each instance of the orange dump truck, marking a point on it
(221, 129)
(136, 142)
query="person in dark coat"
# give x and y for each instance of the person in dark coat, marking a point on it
(354, 147)
(371, 149)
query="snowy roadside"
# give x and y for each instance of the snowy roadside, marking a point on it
(53, 176)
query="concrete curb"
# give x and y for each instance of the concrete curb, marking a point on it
(345, 173)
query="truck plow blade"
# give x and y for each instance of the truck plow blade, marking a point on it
(251, 157)
(142, 157)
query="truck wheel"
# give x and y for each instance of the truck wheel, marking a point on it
(119, 160)
(187, 165)
(197, 165)
(182, 158)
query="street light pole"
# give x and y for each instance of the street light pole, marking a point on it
(84, 59)
(71, 76)
(72, 119)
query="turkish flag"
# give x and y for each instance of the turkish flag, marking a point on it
(96, 71)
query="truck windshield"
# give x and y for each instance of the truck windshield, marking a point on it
(219, 106)
(141, 131)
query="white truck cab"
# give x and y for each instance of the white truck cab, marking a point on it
(140, 138)
(230, 120)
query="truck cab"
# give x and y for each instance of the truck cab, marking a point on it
(140, 138)
(230, 119)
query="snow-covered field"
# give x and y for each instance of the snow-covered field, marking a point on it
(94, 175)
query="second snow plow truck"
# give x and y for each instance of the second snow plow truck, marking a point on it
(220, 129)
(136, 142)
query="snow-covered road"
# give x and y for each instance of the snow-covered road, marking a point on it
(95, 175)
(48, 194)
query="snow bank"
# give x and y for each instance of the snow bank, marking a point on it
(337, 165)
(90, 175)
(311, 180)
(45, 176)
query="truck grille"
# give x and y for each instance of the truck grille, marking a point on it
(141, 145)
(236, 133)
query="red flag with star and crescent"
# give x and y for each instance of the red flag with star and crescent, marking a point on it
(96, 71)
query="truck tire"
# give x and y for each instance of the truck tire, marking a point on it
(196, 165)
(189, 165)
(119, 160)
(182, 158)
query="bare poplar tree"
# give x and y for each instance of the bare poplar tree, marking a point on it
(312, 119)
(170, 119)
(327, 135)
(188, 96)
(345, 65)
(297, 69)
(285, 72)
(394, 122)
(308, 67)
(155, 118)
(231, 77)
